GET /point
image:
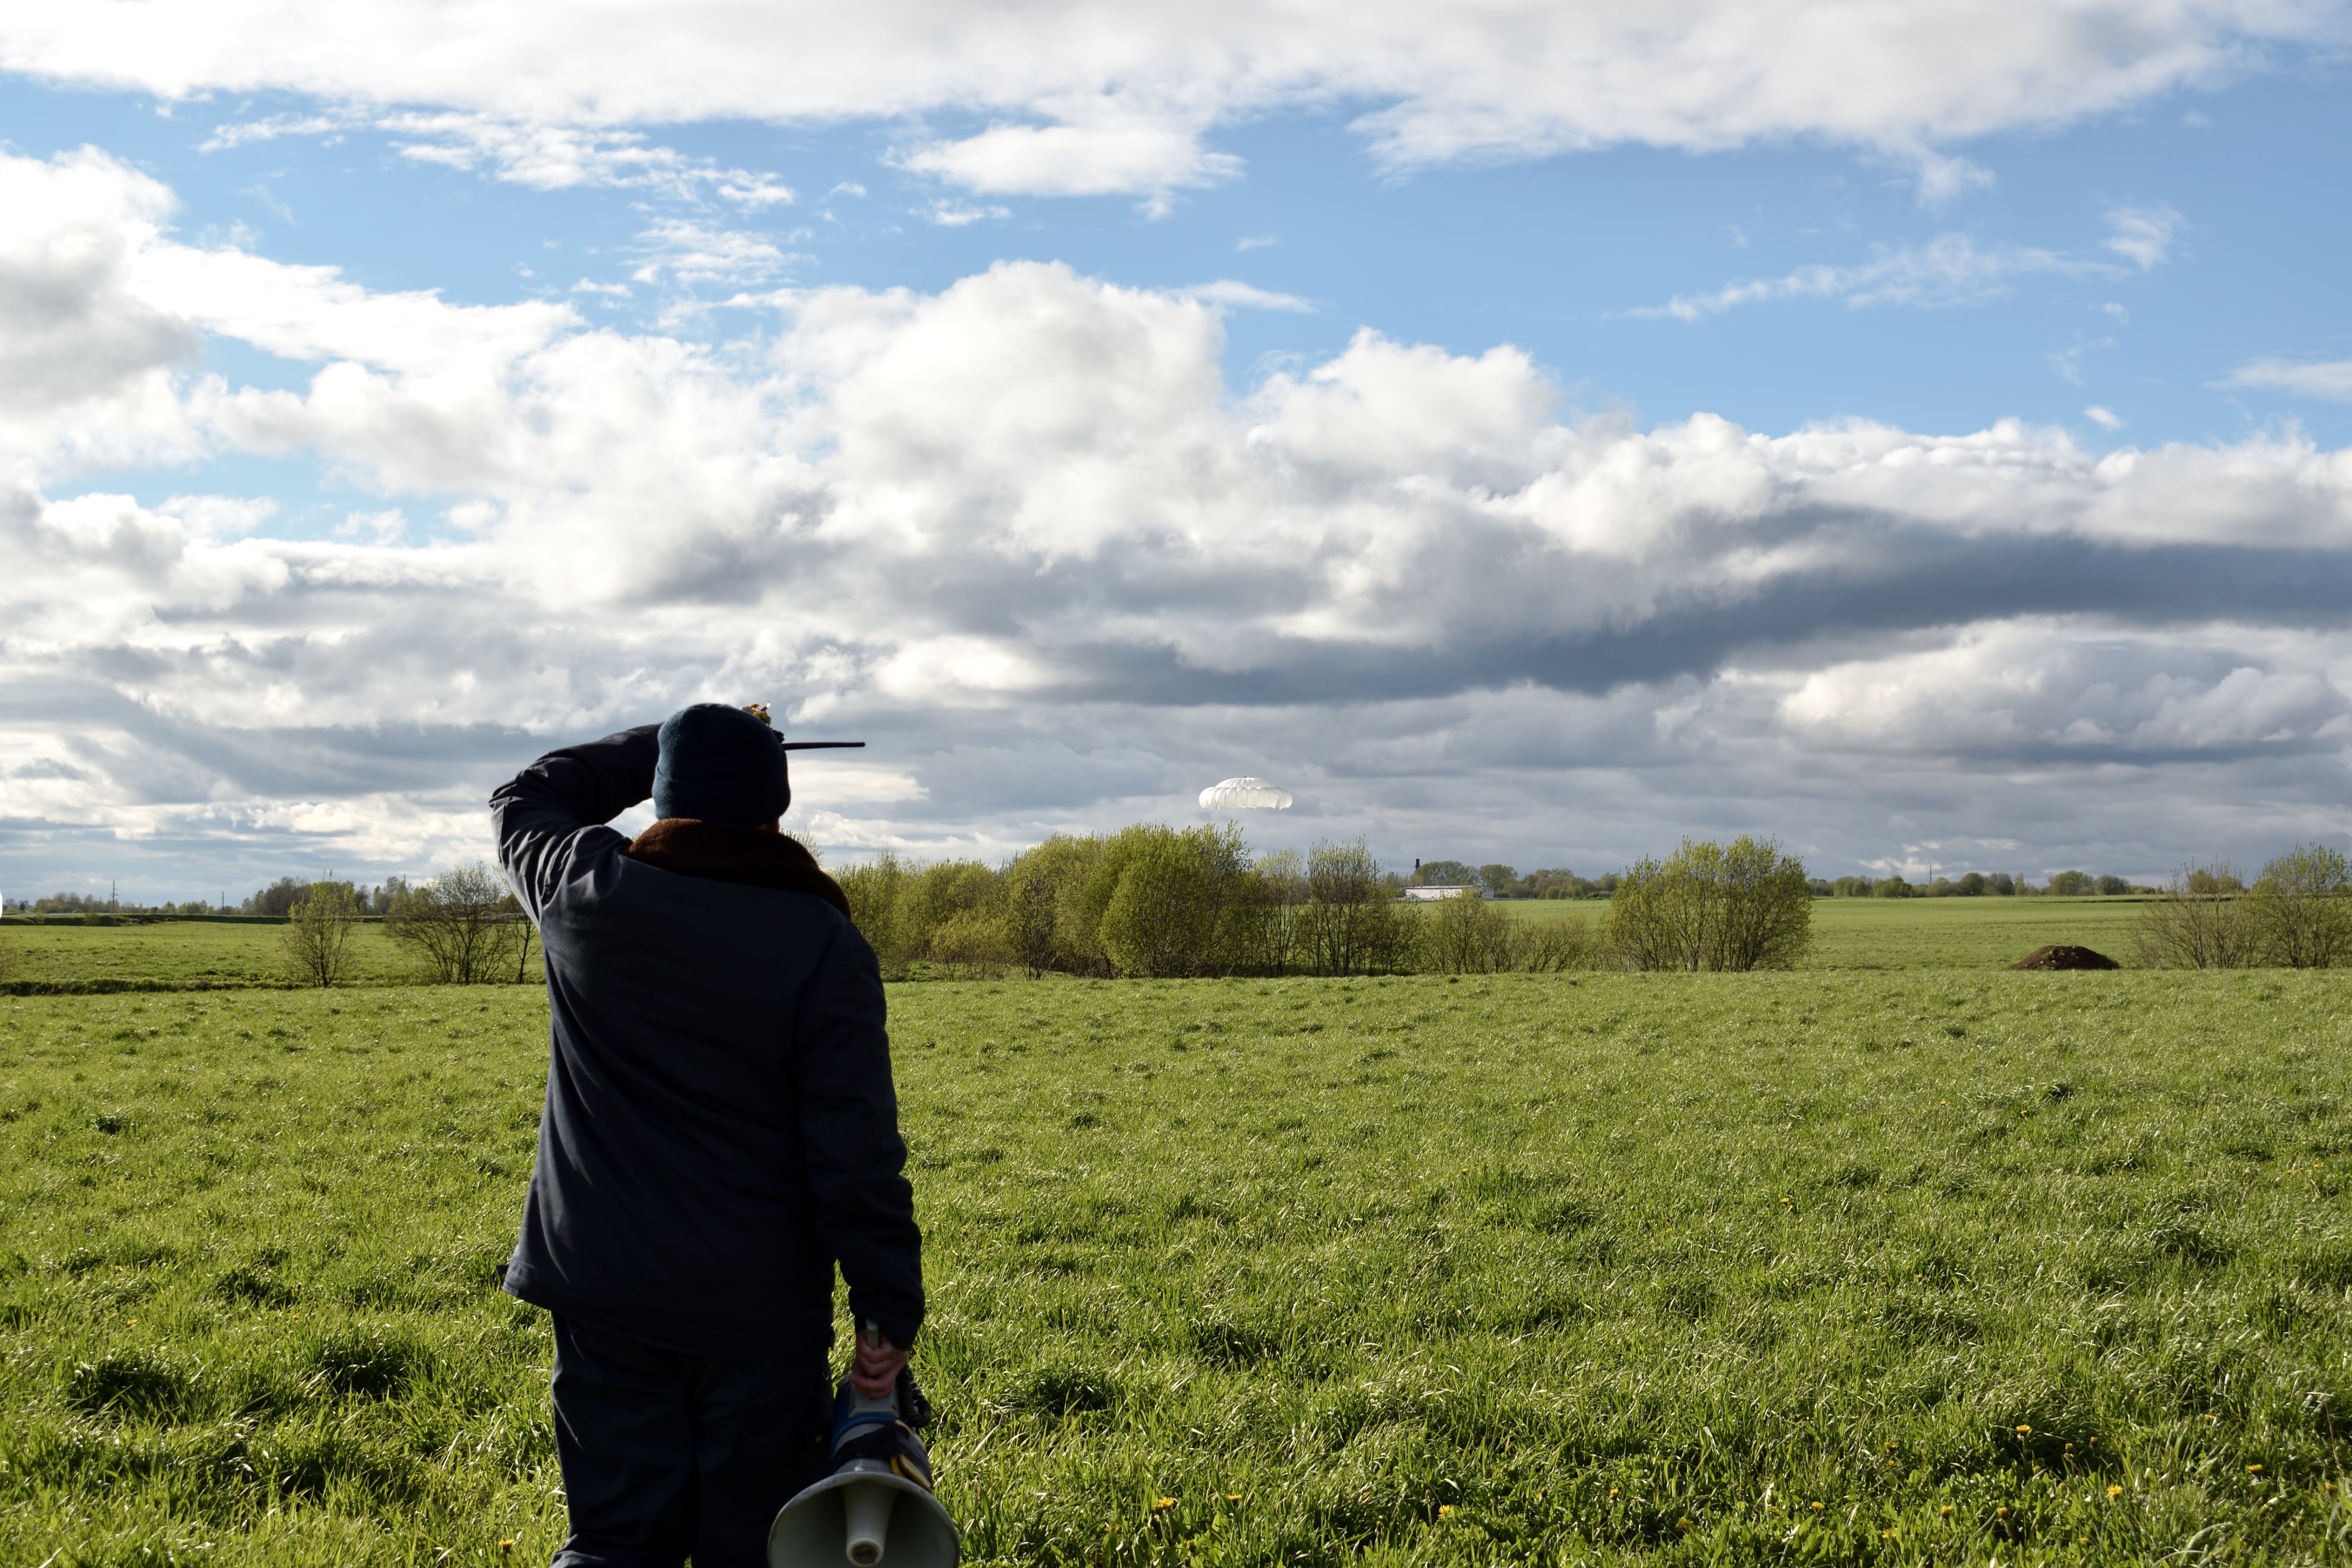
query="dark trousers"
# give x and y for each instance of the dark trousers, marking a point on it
(666, 1455)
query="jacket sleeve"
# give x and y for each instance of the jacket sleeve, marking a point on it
(849, 1127)
(535, 813)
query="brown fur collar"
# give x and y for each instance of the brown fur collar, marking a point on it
(726, 853)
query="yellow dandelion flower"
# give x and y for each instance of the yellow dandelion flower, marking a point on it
(1817, 1508)
(2023, 1430)
(2115, 1491)
(1682, 1524)
(1233, 1497)
(2002, 1512)
(507, 1545)
(1445, 1511)
(1612, 1492)
(2254, 1469)
(1946, 1511)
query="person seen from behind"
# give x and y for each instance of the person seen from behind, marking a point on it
(720, 1131)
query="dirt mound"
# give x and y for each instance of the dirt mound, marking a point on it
(2062, 957)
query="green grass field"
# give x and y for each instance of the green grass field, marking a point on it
(1928, 933)
(1916, 1267)
(185, 953)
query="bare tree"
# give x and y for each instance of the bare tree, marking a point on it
(316, 941)
(2300, 908)
(2199, 922)
(463, 924)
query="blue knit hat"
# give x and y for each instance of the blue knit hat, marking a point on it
(720, 764)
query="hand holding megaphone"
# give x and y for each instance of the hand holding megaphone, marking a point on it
(877, 1500)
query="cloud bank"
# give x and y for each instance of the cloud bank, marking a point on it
(1079, 96)
(1024, 536)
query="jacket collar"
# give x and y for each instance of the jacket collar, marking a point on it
(723, 852)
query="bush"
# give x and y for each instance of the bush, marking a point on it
(1464, 935)
(464, 925)
(1713, 906)
(2300, 908)
(1351, 924)
(316, 941)
(2197, 922)
(1177, 907)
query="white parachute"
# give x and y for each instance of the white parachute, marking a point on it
(1245, 794)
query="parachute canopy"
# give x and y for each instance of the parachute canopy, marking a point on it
(1245, 794)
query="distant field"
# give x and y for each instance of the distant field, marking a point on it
(1901, 1268)
(1849, 933)
(185, 953)
(1929, 932)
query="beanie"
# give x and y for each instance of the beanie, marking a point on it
(720, 764)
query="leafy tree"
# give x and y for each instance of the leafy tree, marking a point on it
(1443, 873)
(1713, 906)
(316, 942)
(872, 892)
(1496, 879)
(279, 897)
(1891, 887)
(2072, 884)
(1171, 912)
(2199, 922)
(2300, 908)
(2111, 885)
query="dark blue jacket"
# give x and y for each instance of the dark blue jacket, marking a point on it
(720, 1125)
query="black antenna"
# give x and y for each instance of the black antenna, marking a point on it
(818, 744)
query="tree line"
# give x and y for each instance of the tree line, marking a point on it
(1162, 902)
(1978, 884)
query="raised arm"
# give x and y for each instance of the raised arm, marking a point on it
(849, 1127)
(535, 813)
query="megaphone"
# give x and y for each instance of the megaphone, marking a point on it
(877, 1505)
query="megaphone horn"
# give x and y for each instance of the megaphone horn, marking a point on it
(877, 1501)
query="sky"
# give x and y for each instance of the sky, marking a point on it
(1527, 432)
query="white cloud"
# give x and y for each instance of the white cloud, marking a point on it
(1085, 95)
(2143, 236)
(685, 252)
(2306, 378)
(1248, 297)
(1951, 270)
(956, 215)
(1945, 179)
(2105, 419)
(1024, 535)
(544, 154)
(1109, 150)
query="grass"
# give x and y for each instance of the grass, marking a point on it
(1929, 932)
(1592, 1268)
(216, 955)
